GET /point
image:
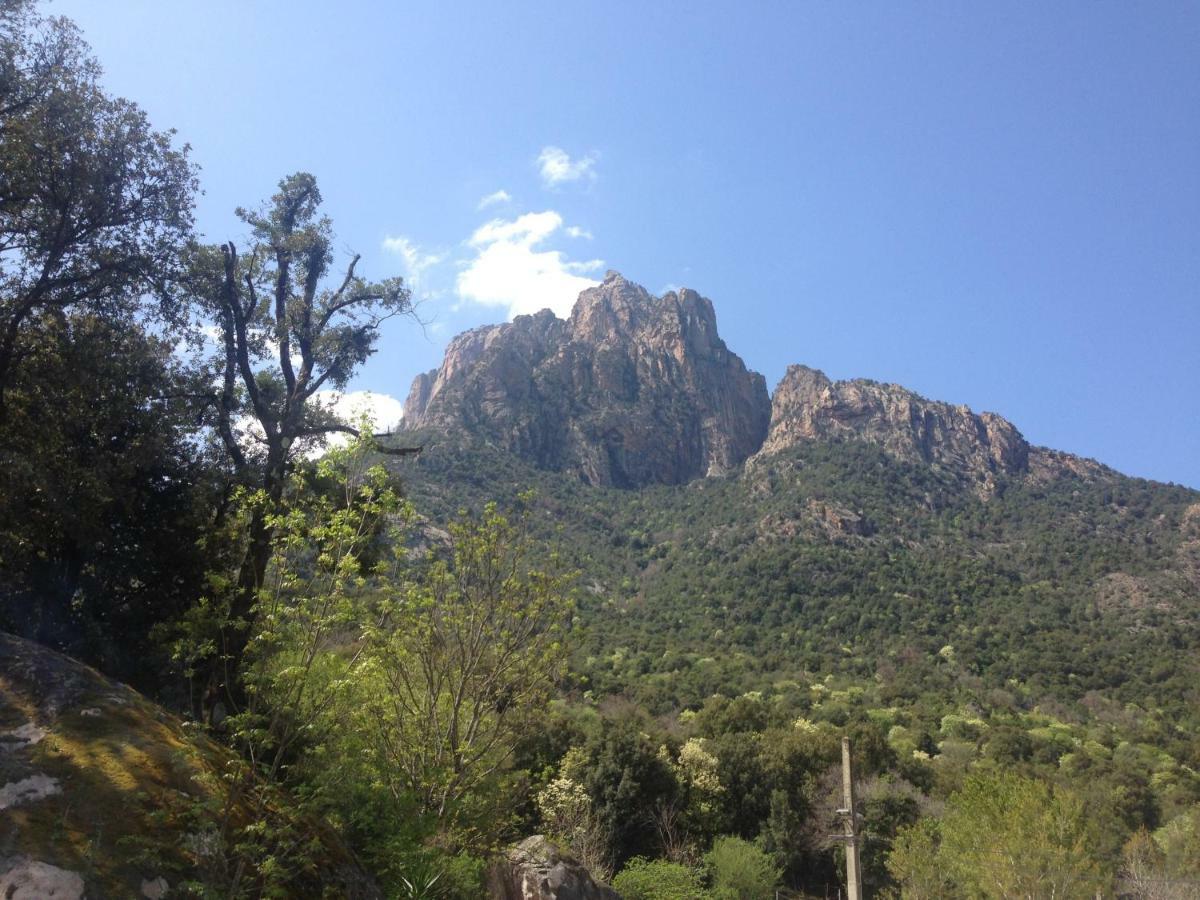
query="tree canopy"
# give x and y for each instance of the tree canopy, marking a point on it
(95, 204)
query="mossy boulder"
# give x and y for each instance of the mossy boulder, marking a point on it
(105, 794)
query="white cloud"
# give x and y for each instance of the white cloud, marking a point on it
(416, 261)
(557, 167)
(500, 196)
(510, 270)
(384, 411)
(576, 232)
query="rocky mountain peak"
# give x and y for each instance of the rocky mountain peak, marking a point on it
(617, 310)
(632, 389)
(808, 406)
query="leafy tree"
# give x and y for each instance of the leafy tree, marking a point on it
(302, 665)
(104, 497)
(284, 334)
(95, 205)
(746, 794)
(785, 834)
(567, 813)
(1165, 865)
(468, 654)
(628, 781)
(1180, 842)
(915, 865)
(740, 870)
(887, 806)
(1003, 836)
(700, 790)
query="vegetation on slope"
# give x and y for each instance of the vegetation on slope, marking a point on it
(380, 677)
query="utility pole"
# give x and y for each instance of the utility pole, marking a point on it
(850, 821)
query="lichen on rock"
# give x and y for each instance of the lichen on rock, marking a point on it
(22, 878)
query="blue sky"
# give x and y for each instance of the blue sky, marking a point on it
(992, 204)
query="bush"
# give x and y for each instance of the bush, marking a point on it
(740, 870)
(462, 877)
(1002, 835)
(657, 879)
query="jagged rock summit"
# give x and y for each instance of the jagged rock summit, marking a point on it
(631, 390)
(634, 389)
(807, 406)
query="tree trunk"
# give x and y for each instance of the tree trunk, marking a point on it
(8, 348)
(225, 674)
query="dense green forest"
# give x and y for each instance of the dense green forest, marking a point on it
(423, 657)
(833, 587)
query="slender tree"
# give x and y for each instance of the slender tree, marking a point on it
(467, 653)
(284, 334)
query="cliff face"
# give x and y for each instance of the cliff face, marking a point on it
(631, 390)
(808, 406)
(634, 390)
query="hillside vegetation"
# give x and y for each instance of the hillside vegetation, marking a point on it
(607, 612)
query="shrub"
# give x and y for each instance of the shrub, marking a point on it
(657, 879)
(740, 870)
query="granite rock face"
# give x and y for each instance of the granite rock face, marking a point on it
(537, 870)
(634, 390)
(631, 390)
(808, 406)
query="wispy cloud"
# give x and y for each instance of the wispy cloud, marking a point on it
(416, 261)
(576, 232)
(384, 411)
(557, 167)
(512, 269)
(493, 199)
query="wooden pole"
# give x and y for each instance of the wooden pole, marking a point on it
(853, 886)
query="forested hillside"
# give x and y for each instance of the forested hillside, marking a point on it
(973, 609)
(1047, 629)
(605, 611)
(838, 558)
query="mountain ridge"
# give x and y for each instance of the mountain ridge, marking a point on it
(630, 390)
(633, 390)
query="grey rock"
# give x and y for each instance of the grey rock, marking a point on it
(28, 790)
(807, 406)
(537, 870)
(22, 737)
(155, 888)
(22, 878)
(630, 390)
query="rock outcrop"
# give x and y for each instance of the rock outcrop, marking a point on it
(808, 406)
(105, 794)
(537, 870)
(634, 390)
(28, 879)
(630, 390)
